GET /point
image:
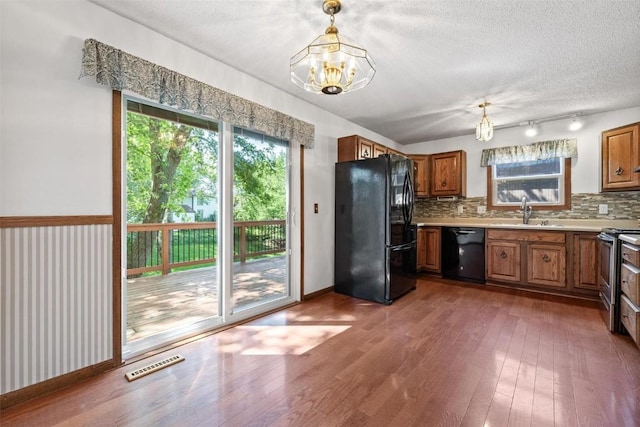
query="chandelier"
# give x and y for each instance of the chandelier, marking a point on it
(484, 130)
(332, 63)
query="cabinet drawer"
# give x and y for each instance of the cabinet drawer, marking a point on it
(630, 316)
(630, 282)
(631, 254)
(527, 236)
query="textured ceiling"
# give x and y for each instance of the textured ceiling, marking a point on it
(436, 59)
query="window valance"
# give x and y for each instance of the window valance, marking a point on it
(122, 71)
(564, 148)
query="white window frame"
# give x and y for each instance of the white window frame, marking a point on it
(564, 187)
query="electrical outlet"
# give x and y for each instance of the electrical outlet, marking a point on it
(482, 209)
(460, 209)
(603, 209)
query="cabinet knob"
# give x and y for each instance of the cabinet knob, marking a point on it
(443, 183)
(546, 258)
(625, 255)
(618, 171)
(503, 254)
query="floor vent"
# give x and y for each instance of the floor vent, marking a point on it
(146, 370)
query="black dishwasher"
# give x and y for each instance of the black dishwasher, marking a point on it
(463, 254)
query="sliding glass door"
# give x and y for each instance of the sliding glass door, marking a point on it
(189, 266)
(260, 206)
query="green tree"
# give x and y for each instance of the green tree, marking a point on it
(165, 162)
(168, 162)
(259, 180)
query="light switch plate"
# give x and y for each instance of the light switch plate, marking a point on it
(482, 209)
(460, 209)
(603, 209)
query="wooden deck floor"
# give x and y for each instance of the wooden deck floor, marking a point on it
(160, 303)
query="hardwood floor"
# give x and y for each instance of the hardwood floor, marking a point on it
(446, 354)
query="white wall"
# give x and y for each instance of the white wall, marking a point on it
(55, 140)
(585, 175)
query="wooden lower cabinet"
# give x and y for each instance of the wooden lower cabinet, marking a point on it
(503, 261)
(585, 261)
(547, 265)
(555, 261)
(428, 249)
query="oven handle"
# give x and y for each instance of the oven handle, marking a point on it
(605, 237)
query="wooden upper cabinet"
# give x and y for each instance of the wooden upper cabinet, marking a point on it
(421, 174)
(355, 147)
(620, 156)
(379, 150)
(449, 174)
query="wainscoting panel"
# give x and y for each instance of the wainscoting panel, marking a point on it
(55, 301)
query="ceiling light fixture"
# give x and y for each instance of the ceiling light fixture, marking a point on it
(532, 130)
(484, 130)
(576, 123)
(332, 64)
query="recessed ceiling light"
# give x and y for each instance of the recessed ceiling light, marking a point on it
(532, 130)
(576, 123)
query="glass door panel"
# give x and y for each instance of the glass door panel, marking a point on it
(260, 206)
(171, 244)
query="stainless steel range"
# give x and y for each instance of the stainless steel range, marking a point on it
(609, 275)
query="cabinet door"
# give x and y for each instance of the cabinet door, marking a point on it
(365, 149)
(379, 150)
(421, 249)
(432, 243)
(546, 265)
(585, 262)
(620, 155)
(503, 260)
(421, 175)
(448, 174)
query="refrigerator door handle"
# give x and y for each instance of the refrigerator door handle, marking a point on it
(411, 199)
(404, 247)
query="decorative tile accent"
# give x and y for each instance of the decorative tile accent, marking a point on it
(622, 205)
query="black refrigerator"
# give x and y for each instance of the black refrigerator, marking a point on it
(375, 242)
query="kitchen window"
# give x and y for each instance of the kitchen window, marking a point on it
(545, 183)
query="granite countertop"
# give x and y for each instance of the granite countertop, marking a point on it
(552, 224)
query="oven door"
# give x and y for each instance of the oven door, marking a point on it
(606, 279)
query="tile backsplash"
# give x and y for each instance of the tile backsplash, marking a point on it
(621, 205)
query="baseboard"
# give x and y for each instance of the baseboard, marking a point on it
(316, 294)
(45, 387)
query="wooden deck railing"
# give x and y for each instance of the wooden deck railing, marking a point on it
(163, 247)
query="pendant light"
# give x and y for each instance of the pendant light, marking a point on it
(332, 64)
(484, 130)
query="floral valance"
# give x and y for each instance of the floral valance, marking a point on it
(523, 153)
(122, 71)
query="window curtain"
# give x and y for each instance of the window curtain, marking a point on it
(122, 71)
(564, 148)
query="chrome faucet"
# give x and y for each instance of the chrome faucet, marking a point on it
(527, 210)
